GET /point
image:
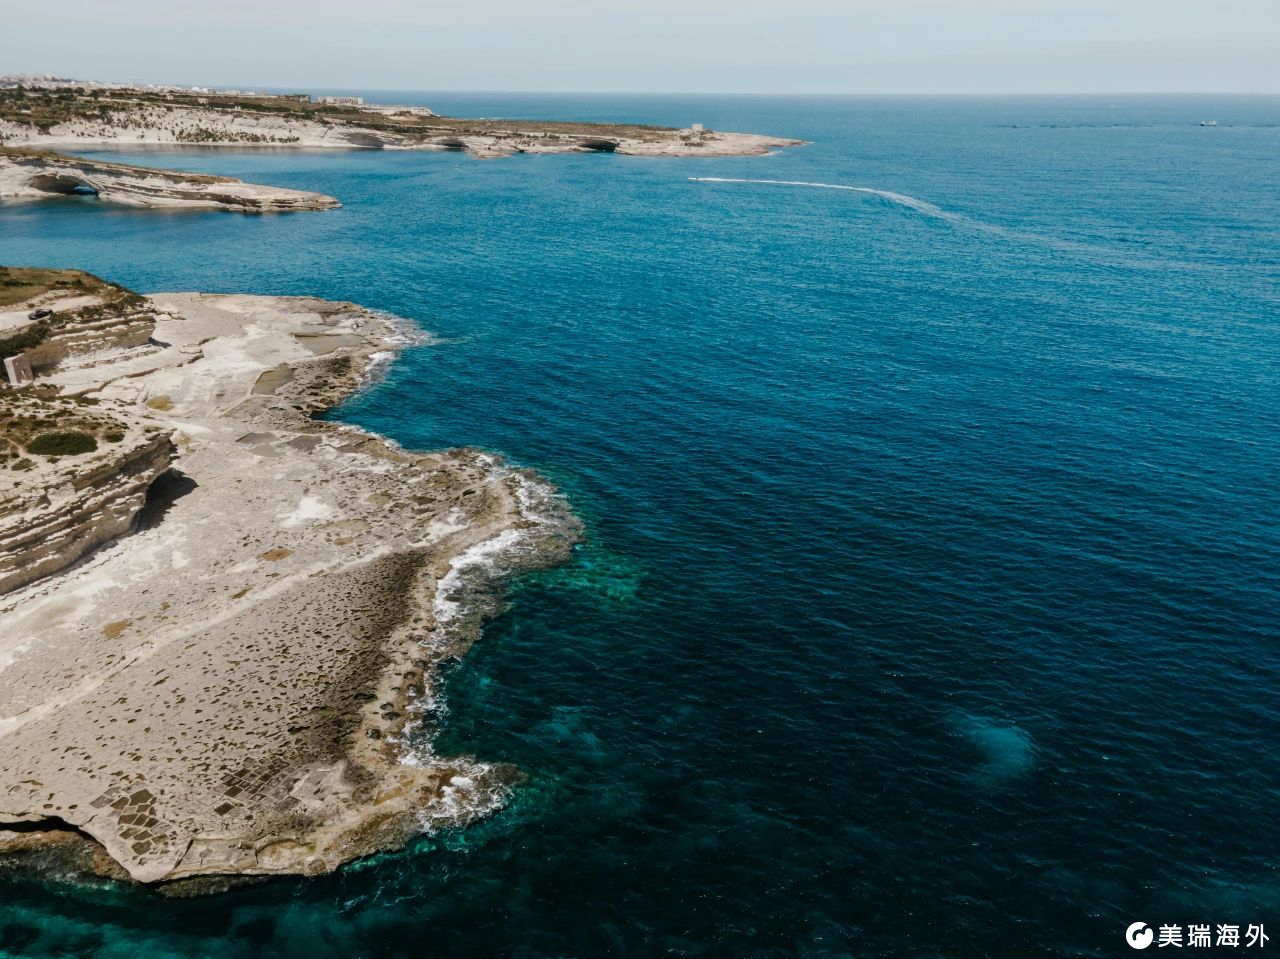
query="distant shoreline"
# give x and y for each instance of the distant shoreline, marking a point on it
(70, 114)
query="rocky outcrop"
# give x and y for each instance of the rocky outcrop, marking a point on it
(52, 513)
(244, 685)
(33, 175)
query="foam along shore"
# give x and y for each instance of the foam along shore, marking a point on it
(227, 690)
(41, 175)
(79, 114)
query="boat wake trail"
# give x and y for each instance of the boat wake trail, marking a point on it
(901, 199)
(1092, 251)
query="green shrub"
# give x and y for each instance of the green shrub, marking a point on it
(62, 444)
(29, 338)
(113, 436)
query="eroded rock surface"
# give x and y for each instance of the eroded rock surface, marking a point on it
(227, 691)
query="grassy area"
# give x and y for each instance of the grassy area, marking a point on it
(19, 283)
(37, 421)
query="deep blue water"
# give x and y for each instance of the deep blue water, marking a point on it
(931, 596)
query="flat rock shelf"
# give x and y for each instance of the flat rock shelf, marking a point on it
(227, 690)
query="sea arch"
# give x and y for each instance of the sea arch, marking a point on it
(62, 184)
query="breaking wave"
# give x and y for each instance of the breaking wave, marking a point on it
(401, 334)
(475, 789)
(483, 557)
(471, 571)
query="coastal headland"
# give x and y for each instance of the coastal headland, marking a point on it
(223, 614)
(81, 115)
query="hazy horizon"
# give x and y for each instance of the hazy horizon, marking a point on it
(821, 47)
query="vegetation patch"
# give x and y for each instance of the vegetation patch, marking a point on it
(28, 416)
(27, 338)
(70, 443)
(39, 420)
(19, 283)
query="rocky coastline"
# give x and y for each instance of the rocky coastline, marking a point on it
(223, 684)
(225, 615)
(41, 175)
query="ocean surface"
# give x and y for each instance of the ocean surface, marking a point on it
(930, 604)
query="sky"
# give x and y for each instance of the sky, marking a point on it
(730, 46)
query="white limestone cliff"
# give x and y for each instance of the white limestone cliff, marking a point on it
(34, 175)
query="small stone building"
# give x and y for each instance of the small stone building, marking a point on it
(18, 370)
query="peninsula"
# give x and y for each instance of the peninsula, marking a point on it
(223, 614)
(40, 174)
(66, 114)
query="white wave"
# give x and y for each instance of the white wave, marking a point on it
(537, 502)
(465, 799)
(401, 334)
(475, 789)
(405, 332)
(471, 793)
(902, 199)
(484, 554)
(377, 366)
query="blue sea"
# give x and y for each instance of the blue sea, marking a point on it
(930, 599)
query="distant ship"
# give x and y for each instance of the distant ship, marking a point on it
(1208, 123)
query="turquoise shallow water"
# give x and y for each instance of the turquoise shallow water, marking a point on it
(930, 600)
